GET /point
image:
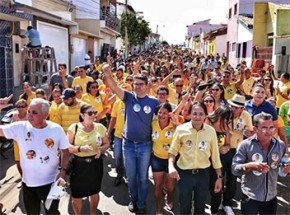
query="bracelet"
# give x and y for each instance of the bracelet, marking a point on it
(79, 149)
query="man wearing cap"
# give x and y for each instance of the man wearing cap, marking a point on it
(82, 79)
(242, 126)
(61, 78)
(68, 112)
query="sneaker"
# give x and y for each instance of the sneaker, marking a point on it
(117, 181)
(132, 207)
(228, 210)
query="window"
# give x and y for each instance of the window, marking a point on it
(244, 51)
(238, 53)
(230, 13)
(235, 9)
(270, 40)
(233, 47)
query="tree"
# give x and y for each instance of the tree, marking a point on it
(137, 30)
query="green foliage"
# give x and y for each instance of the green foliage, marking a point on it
(164, 43)
(138, 30)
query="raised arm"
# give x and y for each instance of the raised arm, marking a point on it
(111, 82)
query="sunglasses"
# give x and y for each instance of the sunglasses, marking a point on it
(21, 106)
(129, 79)
(215, 89)
(153, 81)
(94, 87)
(90, 113)
(162, 94)
(208, 101)
(267, 79)
(179, 85)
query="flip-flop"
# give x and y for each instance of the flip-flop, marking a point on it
(168, 207)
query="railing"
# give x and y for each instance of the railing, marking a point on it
(111, 21)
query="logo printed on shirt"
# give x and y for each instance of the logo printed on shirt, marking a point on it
(275, 157)
(99, 140)
(123, 111)
(257, 157)
(98, 100)
(147, 109)
(49, 142)
(136, 107)
(188, 143)
(168, 134)
(31, 154)
(155, 135)
(44, 159)
(166, 146)
(274, 165)
(202, 145)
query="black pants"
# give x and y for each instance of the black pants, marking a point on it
(33, 196)
(250, 206)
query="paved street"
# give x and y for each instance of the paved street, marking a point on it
(114, 200)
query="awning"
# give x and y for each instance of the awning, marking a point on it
(90, 34)
(12, 15)
(44, 15)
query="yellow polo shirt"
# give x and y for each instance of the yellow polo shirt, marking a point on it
(173, 96)
(195, 147)
(161, 139)
(283, 88)
(230, 91)
(239, 124)
(82, 82)
(96, 102)
(53, 111)
(118, 111)
(248, 85)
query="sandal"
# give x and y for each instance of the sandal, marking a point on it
(168, 207)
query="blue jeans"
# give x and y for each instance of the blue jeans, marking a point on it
(136, 161)
(118, 155)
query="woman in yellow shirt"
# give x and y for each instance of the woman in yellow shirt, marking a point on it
(162, 133)
(88, 141)
(27, 94)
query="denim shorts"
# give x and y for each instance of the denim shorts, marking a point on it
(159, 164)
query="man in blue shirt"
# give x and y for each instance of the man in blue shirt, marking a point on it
(33, 36)
(258, 103)
(137, 143)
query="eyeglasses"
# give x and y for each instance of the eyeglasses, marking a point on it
(94, 87)
(21, 106)
(129, 79)
(267, 79)
(179, 85)
(154, 81)
(264, 129)
(90, 113)
(208, 101)
(215, 89)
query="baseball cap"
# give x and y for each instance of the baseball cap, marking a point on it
(68, 93)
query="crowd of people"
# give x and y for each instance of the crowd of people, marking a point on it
(196, 121)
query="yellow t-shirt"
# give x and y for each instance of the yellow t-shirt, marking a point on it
(29, 98)
(67, 115)
(96, 102)
(161, 139)
(118, 111)
(280, 124)
(173, 96)
(283, 88)
(82, 82)
(92, 138)
(195, 148)
(248, 85)
(53, 109)
(230, 91)
(239, 124)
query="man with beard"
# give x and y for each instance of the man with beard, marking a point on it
(68, 112)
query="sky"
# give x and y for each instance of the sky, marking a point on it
(172, 17)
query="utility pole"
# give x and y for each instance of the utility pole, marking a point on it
(126, 30)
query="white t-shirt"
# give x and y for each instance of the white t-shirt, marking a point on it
(39, 150)
(87, 59)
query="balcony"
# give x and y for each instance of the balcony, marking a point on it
(108, 19)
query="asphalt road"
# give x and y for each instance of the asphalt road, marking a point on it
(113, 200)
